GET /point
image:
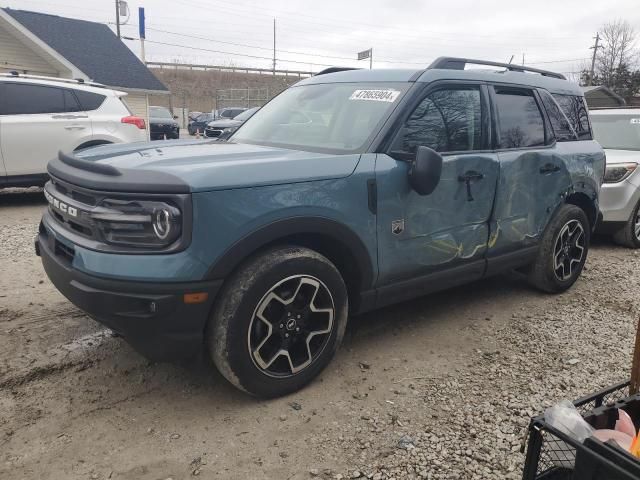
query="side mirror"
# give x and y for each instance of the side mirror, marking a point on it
(425, 171)
(175, 117)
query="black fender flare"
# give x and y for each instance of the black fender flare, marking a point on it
(288, 229)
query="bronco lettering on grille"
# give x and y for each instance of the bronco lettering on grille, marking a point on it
(58, 205)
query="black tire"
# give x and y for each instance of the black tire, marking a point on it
(543, 273)
(628, 236)
(234, 324)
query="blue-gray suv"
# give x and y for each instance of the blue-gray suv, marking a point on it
(352, 190)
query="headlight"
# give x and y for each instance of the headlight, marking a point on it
(618, 172)
(138, 223)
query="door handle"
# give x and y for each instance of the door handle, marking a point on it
(549, 168)
(75, 127)
(468, 178)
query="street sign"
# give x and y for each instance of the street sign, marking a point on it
(364, 54)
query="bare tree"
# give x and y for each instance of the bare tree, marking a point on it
(618, 50)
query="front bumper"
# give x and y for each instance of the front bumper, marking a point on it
(160, 133)
(152, 317)
(618, 201)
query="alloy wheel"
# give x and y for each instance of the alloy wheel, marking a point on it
(291, 326)
(636, 226)
(569, 249)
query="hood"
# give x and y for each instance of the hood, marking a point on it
(216, 166)
(224, 123)
(621, 156)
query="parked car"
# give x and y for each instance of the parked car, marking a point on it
(396, 184)
(228, 113)
(40, 116)
(618, 131)
(223, 129)
(200, 123)
(163, 125)
(194, 115)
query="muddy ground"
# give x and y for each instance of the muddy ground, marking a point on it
(440, 387)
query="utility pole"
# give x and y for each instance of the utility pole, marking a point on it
(274, 46)
(523, 59)
(371, 58)
(593, 59)
(118, 17)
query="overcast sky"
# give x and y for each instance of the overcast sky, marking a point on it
(552, 34)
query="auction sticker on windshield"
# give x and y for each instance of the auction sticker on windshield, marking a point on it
(375, 95)
(635, 121)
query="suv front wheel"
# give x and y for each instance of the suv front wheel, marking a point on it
(278, 321)
(629, 235)
(563, 251)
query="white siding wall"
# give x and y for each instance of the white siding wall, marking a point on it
(138, 103)
(14, 55)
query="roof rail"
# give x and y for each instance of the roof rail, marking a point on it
(81, 81)
(334, 70)
(618, 107)
(454, 63)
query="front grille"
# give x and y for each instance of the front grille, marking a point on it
(82, 200)
(209, 132)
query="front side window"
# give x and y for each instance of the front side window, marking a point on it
(29, 99)
(332, 117)
(447, 120)
(562, 129)
(617, 131)
(575, 109)
(520, 119)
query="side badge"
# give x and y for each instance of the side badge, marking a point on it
(397, 227)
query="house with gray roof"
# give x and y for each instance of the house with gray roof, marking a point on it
(42, 44)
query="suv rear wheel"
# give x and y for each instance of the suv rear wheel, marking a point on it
(563, 251)
(629, 235)
(278, 322)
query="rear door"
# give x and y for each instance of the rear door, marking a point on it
(37, 122)
(533, 176)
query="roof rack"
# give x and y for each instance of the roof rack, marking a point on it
(454, 63)
(81, 81)
(618, 107)
(334, 70)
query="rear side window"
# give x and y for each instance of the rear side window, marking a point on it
(447, 120)
(575, 109)
(89, 100)
(520, 119)
(562, 130)
(23, 99)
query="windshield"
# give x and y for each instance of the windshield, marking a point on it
(247, 114)
(333, 117)
(617, 131)
(205, 117)
(159, 112)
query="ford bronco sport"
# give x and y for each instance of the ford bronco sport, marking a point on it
(352, 190)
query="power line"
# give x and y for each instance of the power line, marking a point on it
(188, 47)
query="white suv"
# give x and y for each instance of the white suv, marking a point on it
(40, 116)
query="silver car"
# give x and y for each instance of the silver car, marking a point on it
(618, 131)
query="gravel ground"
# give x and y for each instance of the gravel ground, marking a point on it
(440, 387)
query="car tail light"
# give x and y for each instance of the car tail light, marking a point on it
(133, 120)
